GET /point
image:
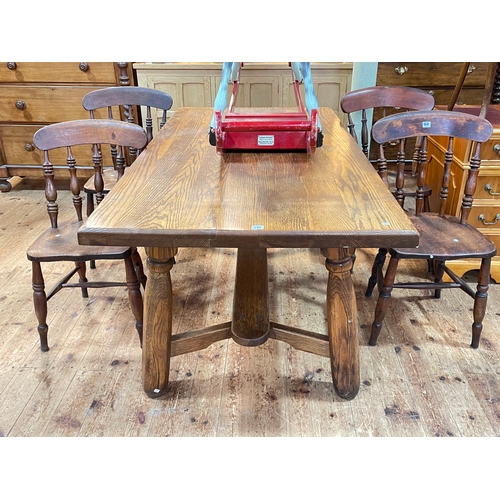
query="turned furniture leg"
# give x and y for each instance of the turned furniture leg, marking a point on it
(342, 322)
(82, 271)
(139, 268)
(250, 325)
(377, 275)
(383, 300)
(480, 301)
(438, 277)
(134, 295)
(157, 327)
(40, 303)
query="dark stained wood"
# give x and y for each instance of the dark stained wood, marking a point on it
(180, 193)
(129, 101)
(385, 100)
(59, 243)
(442, 237)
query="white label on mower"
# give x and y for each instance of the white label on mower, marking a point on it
(265, 140)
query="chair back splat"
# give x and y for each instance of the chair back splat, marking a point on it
(443, 237)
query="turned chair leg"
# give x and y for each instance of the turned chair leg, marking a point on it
(139, 268)
(134, 295)
(40, 303)
(438, 277)
(480, 300)
(90, 209)
(82, 271)
(383, 300)
(377, 275)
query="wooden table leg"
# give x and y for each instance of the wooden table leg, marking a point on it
(157, 329)
(342, 322)
(250, 325)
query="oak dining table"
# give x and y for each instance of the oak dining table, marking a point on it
(180, 193)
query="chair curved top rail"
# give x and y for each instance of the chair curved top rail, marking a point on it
(434, 122)
(133, 96)
(78, 132)
(386, 96)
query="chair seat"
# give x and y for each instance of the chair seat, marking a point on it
(61, 244)
(110, 178)
(444, 238)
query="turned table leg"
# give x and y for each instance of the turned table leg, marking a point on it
(157, 328)
(342, 322)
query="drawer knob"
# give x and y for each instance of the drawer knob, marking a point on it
(83, 67)
(29, 147)
(471, 69)
(12, 66)
(401, 70)
(496, 149)
(489, 190)
(482, 218)
(20, 105)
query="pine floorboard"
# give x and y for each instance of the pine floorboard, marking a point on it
(421, 380)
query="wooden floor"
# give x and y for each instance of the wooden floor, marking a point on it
(422, 379)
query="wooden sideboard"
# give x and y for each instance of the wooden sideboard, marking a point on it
(34, 94)
(261, 84)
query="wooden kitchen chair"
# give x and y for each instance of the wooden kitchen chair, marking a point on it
(126, 99)
(59, 242)
(442, 237)
(385, 100)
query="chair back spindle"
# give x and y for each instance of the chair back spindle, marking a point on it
(421, 124)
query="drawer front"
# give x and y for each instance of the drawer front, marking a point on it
(490, 150)
(485, 217)
(17, 148)
(488, 187)
(429, 74)
(442, 96)
(43, 104)
(65, 72)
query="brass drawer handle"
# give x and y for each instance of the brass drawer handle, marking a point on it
(84, 66)
(401, 70)
(482, 218)
(489, 190)
(29, 147)
(20, 105)
(12, 66)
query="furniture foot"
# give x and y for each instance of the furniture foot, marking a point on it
(5, 186)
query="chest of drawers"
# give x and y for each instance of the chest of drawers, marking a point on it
(437, 78)
(485, 211)
(34, 94)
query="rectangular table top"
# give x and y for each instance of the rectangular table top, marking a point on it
(180, 192)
